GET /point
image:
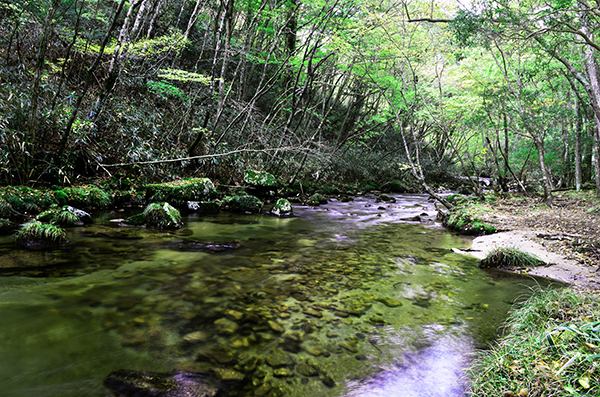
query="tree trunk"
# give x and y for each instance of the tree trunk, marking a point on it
(578, 129)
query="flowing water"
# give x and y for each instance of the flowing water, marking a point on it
(341, 300)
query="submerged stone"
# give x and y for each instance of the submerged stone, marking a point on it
(278, 358)
(129, 383)
(389, 302)
(226, 326)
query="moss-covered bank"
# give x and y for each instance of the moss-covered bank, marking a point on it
(463, 216)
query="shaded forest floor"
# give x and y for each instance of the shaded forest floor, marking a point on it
(569, 228)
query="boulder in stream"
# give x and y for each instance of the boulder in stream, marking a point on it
(245, 203)
(282, 208)
(261, 183)
(129, 383)
(182, 191)
(157, 215)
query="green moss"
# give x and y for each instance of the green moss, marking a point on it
(506, 258)
(25, 199)
(463, 219)
(38, 233)
(260, 178)
(88, 196)
(317, 199)
(182, 191)
(158, 215)
(244, 203)
(282, 208)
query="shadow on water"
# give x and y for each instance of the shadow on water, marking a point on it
(341, 300)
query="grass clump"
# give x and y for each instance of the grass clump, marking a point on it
(37, 232)
(550, 348)
(507, 257)
(65, 216)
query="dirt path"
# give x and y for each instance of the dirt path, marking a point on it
(565, 236)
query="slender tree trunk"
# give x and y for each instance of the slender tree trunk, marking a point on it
(578, 129)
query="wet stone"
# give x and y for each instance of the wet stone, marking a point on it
(226, 326)
(197, 336)
(351, 346)
(234, 314)
(307, 369)
(283, 372)
(226, 374)
(262, 390)
(313, 312)
(276, 326)
(390, 302)
(278, 358)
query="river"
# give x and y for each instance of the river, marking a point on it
(346, 299)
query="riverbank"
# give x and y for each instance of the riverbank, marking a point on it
(565, 236)
(550, 340)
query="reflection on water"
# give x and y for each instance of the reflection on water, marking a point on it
(339, 301)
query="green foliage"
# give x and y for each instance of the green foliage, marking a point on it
(66, 216)
(165, 90)
(25, 199)
(37, 232)
(506, 258)
(550, 348)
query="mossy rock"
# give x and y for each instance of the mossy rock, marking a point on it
(245, 203)
(459, 219)
(282, 208)
(209, 207)
(65, 216)
(159, 216)
(317, 199)
(7, 227)
(395, 186)
(384, 198)
(87, 196)
(260, 179)
(24, 199)
(180, 192)
(37, 233)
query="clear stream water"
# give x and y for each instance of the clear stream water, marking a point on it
(346, 299)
